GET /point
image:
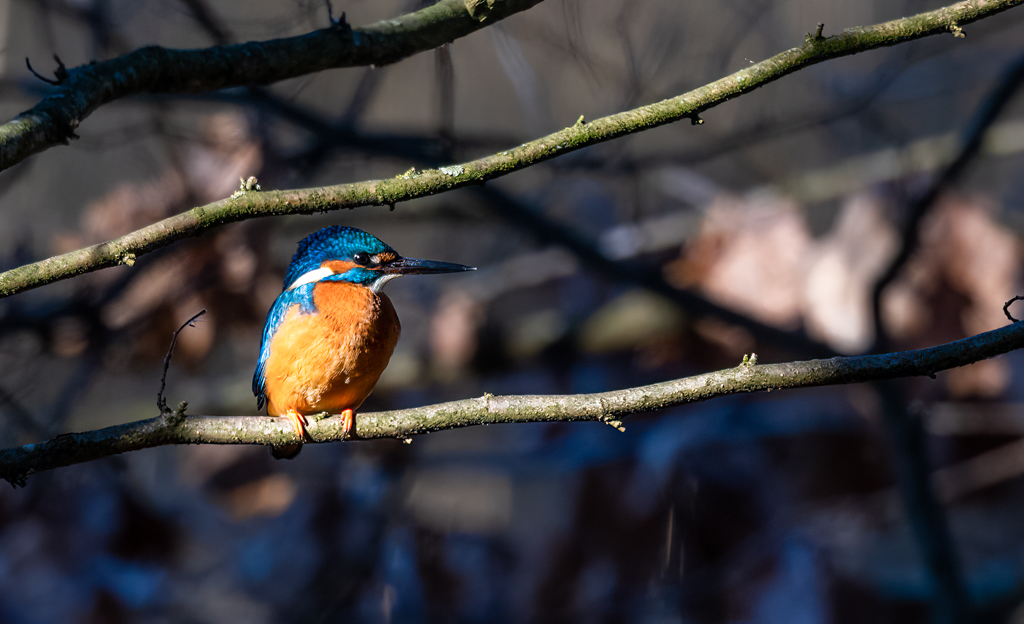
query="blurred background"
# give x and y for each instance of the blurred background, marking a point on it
(784, 208)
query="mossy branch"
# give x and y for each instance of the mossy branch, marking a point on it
(177, 428)
(83, 89)
(414, 184)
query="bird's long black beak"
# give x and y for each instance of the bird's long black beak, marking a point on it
(414, 266)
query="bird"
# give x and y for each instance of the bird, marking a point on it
(331, 332)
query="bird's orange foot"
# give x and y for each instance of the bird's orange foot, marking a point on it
(299, 422)
(347, 419)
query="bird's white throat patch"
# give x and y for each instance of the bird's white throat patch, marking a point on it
(378, 283)
(311, 276)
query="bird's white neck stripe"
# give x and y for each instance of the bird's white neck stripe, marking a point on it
(311, 276)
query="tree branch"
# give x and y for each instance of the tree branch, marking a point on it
(176, 428)
(414, 184)
(160, 70)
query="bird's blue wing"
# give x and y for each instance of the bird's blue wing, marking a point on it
(303, 296)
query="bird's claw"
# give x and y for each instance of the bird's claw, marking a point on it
(299, 422)
(347, 420)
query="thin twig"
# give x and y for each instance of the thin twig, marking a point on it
(337, 23)
(1006, 308)
(161, 402)
(49, 81)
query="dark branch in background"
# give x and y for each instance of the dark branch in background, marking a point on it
(206, 20)
(413, 185)
(986, 114)
(926, 516)
(950, 599)
(41, 319)
(19, 462)
(635, 273)
(160, 70)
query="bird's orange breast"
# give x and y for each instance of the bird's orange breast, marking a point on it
(331, 360)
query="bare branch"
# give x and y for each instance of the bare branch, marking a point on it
(73, 448)
(160, 70)
(413, 185)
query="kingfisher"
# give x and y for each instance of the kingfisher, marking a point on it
(331, 331)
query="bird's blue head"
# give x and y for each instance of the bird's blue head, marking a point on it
(345, 254)
(335, 254)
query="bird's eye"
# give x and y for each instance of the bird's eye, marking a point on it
(361, 258)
